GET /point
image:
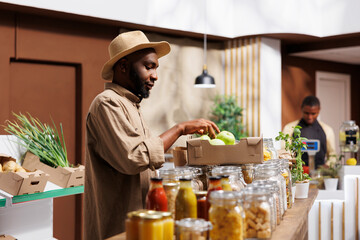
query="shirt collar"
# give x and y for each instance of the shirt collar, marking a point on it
(123, 92)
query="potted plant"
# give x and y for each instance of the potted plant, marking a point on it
(330, 174)
(227, 114)
(294, 144)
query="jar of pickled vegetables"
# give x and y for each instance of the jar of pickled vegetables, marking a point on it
(248, 172)
(257, 210)
(226, 216)
(171, 185)
(151, 227)
(185, 204)
(192, 229)
(235, 174)
(156, 198)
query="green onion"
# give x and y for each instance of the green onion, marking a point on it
(40, 139)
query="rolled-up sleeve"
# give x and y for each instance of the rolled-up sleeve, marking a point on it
(121, 140)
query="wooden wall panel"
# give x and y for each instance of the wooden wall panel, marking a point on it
(298, 81)
(7, 50)
(77, 45)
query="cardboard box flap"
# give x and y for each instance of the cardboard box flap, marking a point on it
(61, 176)
(4, 157)
(253, 140)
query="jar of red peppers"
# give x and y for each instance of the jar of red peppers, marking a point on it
(156, 198)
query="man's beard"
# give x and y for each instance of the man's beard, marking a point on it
(140, 88)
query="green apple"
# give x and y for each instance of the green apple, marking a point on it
(216, 142)
(227, 137)
(205, 137)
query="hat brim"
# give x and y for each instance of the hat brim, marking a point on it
(161, 48)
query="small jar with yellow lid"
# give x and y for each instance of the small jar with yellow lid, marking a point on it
(151, 227)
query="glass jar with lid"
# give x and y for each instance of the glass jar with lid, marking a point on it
(248, 172)
(349, 137)
(235, 174)
(275, 191)
(271, 171)
(192, 229)
(269, 149)
(226, 216)
(132, 225)
(194, 173)
(275, 210)
(156, 197)
(185, 203)
(151, 227)
(286, 173)
(255, 202)
(171, 186)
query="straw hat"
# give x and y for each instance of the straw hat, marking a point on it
(129, 42)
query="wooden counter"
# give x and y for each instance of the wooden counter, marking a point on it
(294, 225)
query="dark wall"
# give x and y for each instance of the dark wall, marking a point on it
(298, 81)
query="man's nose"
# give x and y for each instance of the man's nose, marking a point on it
(154, 75)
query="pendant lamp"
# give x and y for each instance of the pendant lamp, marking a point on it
(205, 80)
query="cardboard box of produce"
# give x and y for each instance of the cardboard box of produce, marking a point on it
(62, 176)
(248, 150)
(19, 183)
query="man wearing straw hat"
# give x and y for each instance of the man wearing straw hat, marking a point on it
(119, 148)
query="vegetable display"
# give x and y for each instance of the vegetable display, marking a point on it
(41, 139)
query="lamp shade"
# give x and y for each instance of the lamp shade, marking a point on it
(204, 80)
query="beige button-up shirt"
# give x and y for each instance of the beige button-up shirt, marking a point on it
(119, 153)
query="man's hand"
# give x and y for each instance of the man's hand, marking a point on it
(200, 126)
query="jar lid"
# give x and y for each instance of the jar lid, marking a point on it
(225, 170)
(224, 195)
(214, 178)
(253, 190)
(200, 193)
(156, 179)
(151, 216)
(169, 172)
(194, 224)
(185, 179)
(164, 214)
(138, 213)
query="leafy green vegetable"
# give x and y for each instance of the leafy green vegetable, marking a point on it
(40, 139)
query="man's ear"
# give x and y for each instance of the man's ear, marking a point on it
(123, 65)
